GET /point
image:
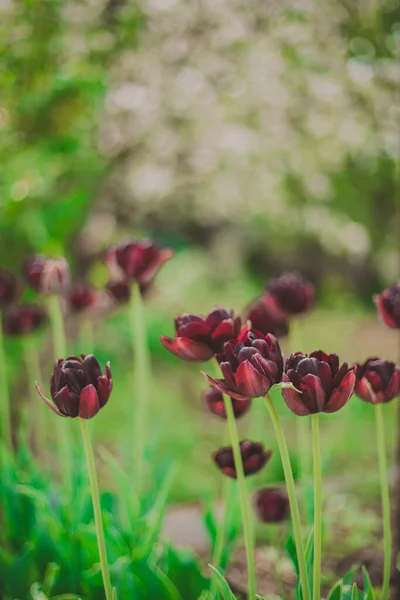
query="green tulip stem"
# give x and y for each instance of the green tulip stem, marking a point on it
(220, 536)
(317, 507)
(385, 495)
(294, 507)
(5, 407)
(86, 335)
(142, 374)
(33, 372)
(98, 521)
(247, 520)
(63, 426)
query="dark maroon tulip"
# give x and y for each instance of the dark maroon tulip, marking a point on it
(253, 455)
(120, 291)
(289, 295)
(81, 297)
(272, 505)
(323, 385)
(377, 381)
(251, 364)
(388, 305)
(214, 401)
(78, 388)
(8, 288)
(22, 319)
(137, 261)
(266, 321)
(200, 338)
(48, 276)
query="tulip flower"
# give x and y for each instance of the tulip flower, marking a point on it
(47, 276)
(119, 291)
(322, 386)
(22, 319)
(388, 306)
(289, 295)
(264, 320)
(137, 261)
(377, 381)
(214, 401)
(254, 457)
(78, 388)
(8, 288)
(81, 297)
(200, 338)
(251, 364)
(272, 505)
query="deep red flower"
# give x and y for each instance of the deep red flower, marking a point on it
(22, 319)
(120, 291)
(253, 455)
(49, 276)
(272, 505)
(78, 388)
(251, 364)
(137, 261)
(214, 401)
(81, 297)
(200, 338)
(289, 295)
(388, 305)
(8, 288)
(377, 381)
(323, 385)
(264, 320)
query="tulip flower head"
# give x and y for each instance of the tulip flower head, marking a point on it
(214, 401)
(78, 387)
(272, 505)
(47, 276)
(120, 291)
(388, 306)
(23, 319)
(377, 381)
(254, 457)
(200, 338)
(81, 297)
(289, 295)
(322, 385)
(266, 321)
(137, 261)
(8, 288)
(251, 364)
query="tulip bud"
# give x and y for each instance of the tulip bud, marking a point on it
(266, 321)
(322, 386)
(81, 297)
(254, 457)
(47, 276)
(289, 295)
(23, 319)
(377, 381)
(137, 261)
(214, 401)
(271, 505)
(8, 288)
(78, 388)
(251, 364)
(200, 338)
(388, 305)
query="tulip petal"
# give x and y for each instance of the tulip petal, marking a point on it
(68, 402)
(383, 313)
(187, 349)
(364, 391)
(342, 394)
(48, 402)
(104, 387)
(294, 400)
(313, 393)
(393, 387)
(250, 382)
(222, 387)
(89, 404)
(152, 269)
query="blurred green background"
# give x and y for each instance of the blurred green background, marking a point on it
(252, 137)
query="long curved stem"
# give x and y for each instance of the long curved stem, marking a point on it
(4, 394)
(317, 508)
(385, 494)
(294, 508)
(94, 489)
(248, 529)
(141, 370)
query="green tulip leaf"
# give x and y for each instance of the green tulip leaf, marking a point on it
(223, 585)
